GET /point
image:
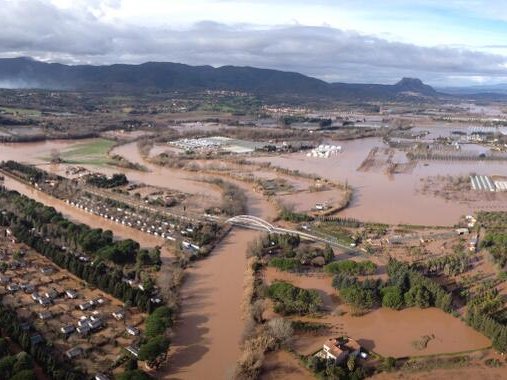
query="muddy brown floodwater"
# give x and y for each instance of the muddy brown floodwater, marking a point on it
(37, 153)
(385, 331)
(34, 152)
(388, 199)
(207, 336)
(283, 365)
(188, 182)
(474, 372)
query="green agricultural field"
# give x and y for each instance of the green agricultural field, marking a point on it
(91, 152)
(20, 111)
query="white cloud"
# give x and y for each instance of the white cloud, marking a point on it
(314, 38)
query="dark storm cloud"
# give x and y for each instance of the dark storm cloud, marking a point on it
(39, 29)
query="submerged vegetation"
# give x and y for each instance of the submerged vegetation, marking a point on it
(234, 199)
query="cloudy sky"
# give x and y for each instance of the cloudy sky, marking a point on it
(444, 42)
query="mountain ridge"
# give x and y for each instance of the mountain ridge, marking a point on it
(25, 72)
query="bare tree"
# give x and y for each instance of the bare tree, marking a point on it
(55, 156)
(257, 310)
(281, 329)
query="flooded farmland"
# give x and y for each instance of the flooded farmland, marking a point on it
(207, 335)
(389, 199)
(376, 329)
(34, 152)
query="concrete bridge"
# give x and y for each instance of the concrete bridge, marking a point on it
(256, 223)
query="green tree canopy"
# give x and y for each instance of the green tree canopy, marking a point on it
(153, 348)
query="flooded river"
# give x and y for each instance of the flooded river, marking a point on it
(208, 332)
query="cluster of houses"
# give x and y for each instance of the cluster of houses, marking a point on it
(156, 226)
(13, 287)
(53, 294)
(47, 298)
(95, 321)
(325, 151)
(205, 143)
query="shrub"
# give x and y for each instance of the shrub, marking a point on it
(281, 329)
(392, 297)
(158, 321)
(285, 264)
(152, 349)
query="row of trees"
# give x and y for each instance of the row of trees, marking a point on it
(287, 213)
(42, 352)
(494, 330)
(495, 240)
(488, 301)
(449, 265)
(158, 321)
(30, 173)
(496, 244)
(350, 267)
(15, 367)
(52, 225)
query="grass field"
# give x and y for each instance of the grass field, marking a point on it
(21, 111)
(340, 233)
(92, 152)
